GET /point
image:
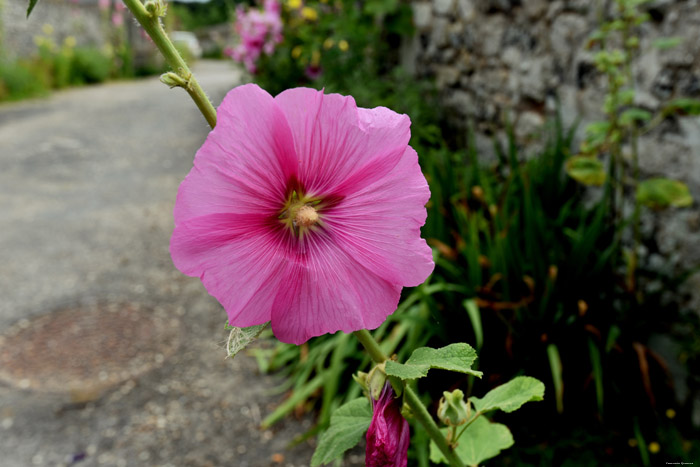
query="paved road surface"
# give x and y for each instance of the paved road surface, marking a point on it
(87, 185)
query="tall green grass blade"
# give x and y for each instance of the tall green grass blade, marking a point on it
(475, 318)
(597, 373)
(556, 367)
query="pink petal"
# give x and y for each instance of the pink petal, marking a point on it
(238, 259)
(324, 291)
(335, 140)
(379, 226)
(245, 161)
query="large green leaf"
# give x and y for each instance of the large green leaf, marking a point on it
(348, 424)
(32, 4)
(663, 192)
(480, 441)
(510, 396)
(455, 357)
(586, 170)
(239, 338)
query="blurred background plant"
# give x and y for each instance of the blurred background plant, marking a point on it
(533, 269)
(60, 60)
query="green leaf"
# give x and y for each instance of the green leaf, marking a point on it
(32, 4)
(455, 357)
(663, 192)
(348, 424)
(684, 105)
(667, 42)
(585, 169)
(239, 338)
(631, 115)
(480, 441)
(510, 396)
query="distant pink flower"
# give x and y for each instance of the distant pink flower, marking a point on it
(117, 19)
(259, 32)
(313, 71)
(303, 210)
(388, 434)
(103, 4)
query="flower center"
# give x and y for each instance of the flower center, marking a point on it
(306, 216)
(300, 212)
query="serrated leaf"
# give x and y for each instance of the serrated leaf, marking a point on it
(667, 42)
(586, 170)
(32, 4)
(510, 396)
(455, 357)
(480, 441)
(239, 338)
(348, 424)
(663, 192)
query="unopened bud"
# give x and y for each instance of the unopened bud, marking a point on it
(376, 380)
(156, 8)
(453, 411)
(361, 379)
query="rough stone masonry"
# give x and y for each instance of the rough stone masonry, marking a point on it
(519, 58)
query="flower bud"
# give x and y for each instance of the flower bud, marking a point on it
(156, 8)
(388, 435)
(453, 411)
(376, 380)
(361, 379)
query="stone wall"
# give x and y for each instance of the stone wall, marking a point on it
(80, 19)
(518, 58)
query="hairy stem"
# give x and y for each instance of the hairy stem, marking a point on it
(152, 25)
(411, 398)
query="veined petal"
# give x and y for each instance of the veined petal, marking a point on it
(379, 226)
(245, 161)
(326, 291)
(239, 260)
(335, 141)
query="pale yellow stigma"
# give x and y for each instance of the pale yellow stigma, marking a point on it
(306, 216)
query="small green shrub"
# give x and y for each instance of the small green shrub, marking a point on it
(90, 65)
(19, 80)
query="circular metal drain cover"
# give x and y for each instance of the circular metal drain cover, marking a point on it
(86, 349)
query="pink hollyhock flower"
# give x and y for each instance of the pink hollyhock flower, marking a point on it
(117, 19)
(303, 210)
(258, 31)
(388, 435)
(313, 71)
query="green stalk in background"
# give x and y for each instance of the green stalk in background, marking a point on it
(148, 17)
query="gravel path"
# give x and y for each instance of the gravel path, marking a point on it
(108, 355)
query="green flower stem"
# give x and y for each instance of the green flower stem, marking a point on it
(411, 398)
(152, 25)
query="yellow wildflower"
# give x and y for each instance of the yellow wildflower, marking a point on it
(47, 29)
(296, 51)
(69, 42)
(315, 57)
(654, 447)
(309, 13)
(328, 43)
(343, 45)
(294, 4)
(670, 413)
